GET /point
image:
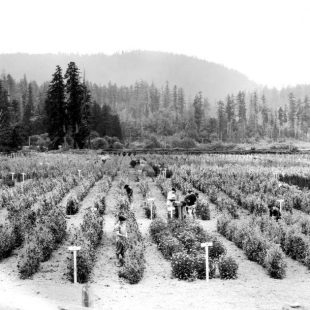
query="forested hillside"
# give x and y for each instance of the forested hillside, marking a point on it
(71, 110)
(193, 74)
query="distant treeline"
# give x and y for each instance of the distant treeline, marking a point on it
(73, 112)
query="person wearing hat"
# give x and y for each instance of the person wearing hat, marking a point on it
(129, 192)
(121, 239)
(191, 200)
(171, 198)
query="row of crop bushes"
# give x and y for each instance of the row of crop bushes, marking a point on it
(259, 202)
(49, 230)
(22, 217)
(134, 263)
(265, 241)
(256, 247)
(180, 241)
(30, 225)
(291, 236)
(25, 212)
(88, 237)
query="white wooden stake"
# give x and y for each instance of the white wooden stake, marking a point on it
(74, 249)
(151, 203)
(12, 173)
(280, 202)
(23, 174)
(164, 173)
(206, 245)
(79, 171)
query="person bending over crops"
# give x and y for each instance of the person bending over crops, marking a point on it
(129, 192)
(274, 211)
(191, 200)
(121, 239)
(171, 198)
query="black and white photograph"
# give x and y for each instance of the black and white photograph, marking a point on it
(155, 155)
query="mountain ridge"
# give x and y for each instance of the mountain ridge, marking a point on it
(125, 68)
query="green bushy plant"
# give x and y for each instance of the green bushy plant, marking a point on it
(29, 260)
(168, 244)
(217, 250)
(255, 247)
(228, 268)
(100, 205)
(156, 228)
(296, 245)
(203, 210)
(275, 262)
(199, 264)
(99, 143)
(7, 240)
(183, 266)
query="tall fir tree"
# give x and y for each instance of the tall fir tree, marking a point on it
(292, 114)
(75, 104)
(198, 110)
(56, 109)
(222, 121)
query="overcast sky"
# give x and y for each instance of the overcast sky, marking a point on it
(268, 40)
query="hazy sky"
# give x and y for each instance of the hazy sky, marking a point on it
(268, 40)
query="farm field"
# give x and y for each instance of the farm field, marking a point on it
(256, 262)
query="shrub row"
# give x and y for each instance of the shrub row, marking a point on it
(134, 264)
(289, 236)
(49, 231)
(88, 237)
(256, 247)
(180, 241)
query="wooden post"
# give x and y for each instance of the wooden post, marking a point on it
(206, 245)
(12, 173)
(86, 301)
(23, 174)
(165, 173)
(79, 171)
(150, 202)
(74, 249)
(280, 202)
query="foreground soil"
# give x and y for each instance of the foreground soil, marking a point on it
(253, 289)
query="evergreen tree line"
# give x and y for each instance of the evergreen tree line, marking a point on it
(240, 120)
(73, 112)
(62, 108)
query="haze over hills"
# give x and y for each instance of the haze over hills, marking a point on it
(193, 74)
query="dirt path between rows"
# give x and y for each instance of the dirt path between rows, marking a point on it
(55, 268)
(157, 268)
(105, 272)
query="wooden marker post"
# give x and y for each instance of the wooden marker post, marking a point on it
(150, 202)
(280, 202)
(206, 245)
(74, 249)
(79, 171)
(164, 173)
(12, 173)
(23, 174)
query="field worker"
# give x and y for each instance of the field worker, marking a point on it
(274, 211)
(121, 239)
(171, 198)
(191, 200)
(129, 192)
